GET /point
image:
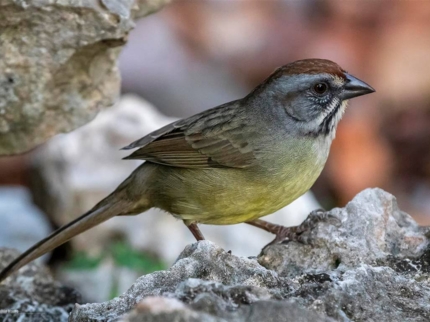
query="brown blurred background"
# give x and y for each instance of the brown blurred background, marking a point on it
(196, 54)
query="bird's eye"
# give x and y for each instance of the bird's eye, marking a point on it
(320, 88)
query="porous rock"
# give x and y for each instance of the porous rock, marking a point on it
(58, 64)
(369, 230)
(235, 289)
(161, 309)
(371, 264)
(32, 294)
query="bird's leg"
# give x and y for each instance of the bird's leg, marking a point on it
(194, 230)
(267, 226)
(293, 233)
(282, 233)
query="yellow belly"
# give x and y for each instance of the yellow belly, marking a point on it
(223, 196)
(231, 196)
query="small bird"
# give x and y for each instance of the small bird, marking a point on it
(233, 163)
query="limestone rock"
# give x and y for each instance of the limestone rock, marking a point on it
(58, 64)
(33, 295)
(161, 309)
(215, 285)
(372, 229)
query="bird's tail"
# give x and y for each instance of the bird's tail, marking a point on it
(108, 208)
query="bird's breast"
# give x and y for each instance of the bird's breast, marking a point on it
(229, 196)
(290, 176)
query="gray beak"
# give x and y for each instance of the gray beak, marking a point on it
(355, 87)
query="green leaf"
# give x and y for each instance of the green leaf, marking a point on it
(124, 255)
(82, 261)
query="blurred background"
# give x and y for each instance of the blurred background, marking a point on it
(194, 55)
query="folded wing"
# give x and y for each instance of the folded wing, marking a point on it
(215, 138)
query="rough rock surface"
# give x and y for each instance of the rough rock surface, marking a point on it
(58, 64)
(369, 262)
(32, 295)
(162, 309)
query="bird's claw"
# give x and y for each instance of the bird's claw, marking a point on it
(288, 234)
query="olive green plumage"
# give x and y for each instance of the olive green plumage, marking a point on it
(223, 196)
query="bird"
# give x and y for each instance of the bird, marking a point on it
(234, 163)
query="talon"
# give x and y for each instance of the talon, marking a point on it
(285, 235)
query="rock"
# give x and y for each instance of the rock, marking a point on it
(32, 294)
(212, 291)
(161, 309)
(164, 309)
(143, 8)
(71, 179)
(365, 293)
(372, 229)
(59, 67)
(371, 264)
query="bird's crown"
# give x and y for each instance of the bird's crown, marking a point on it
(311, 66)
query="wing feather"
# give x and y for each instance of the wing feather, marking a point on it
(212, 139)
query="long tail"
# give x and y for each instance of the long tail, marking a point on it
(100, 213)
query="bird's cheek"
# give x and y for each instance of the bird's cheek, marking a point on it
(310, 112)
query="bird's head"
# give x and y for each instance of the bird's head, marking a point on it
(313, 94)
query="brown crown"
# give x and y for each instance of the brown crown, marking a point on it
(312, 66)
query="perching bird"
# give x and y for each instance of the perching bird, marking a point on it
(233, 163)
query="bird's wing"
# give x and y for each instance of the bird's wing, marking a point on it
(215, 138)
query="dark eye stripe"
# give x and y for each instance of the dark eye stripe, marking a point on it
(326, 125)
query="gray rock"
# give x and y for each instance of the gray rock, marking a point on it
(235, 289)
(365, 293)
(58, 68)
(370, 230)
(32, 294)
(371, 264)
(196, 262)
(161, 309)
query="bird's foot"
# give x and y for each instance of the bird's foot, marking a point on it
(297, 233)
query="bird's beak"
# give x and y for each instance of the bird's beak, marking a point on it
(355, 87)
